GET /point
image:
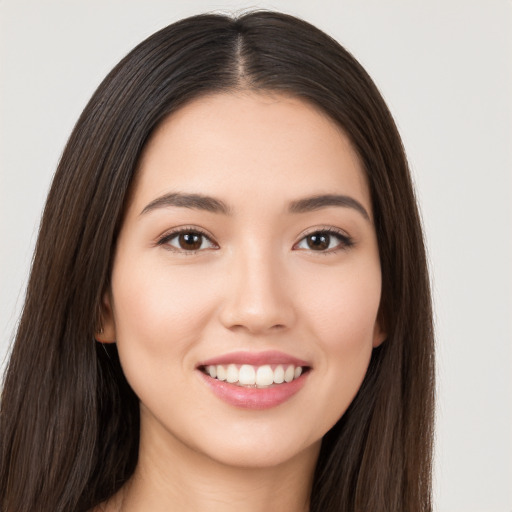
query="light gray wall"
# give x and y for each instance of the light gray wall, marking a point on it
(445, 68)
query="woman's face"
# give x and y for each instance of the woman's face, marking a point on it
(247, 251)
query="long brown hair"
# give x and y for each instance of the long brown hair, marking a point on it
(69, 422)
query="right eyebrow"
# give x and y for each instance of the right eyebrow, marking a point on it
(318, 202)
(193, 201)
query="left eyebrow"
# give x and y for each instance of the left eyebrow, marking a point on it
(193, 201)
(313, 203)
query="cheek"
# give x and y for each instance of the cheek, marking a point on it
(158, 309)
(342, 320)
(160, 313)
(342, 309)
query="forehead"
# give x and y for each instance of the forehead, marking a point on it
(233, 144)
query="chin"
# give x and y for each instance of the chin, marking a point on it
(252, 456)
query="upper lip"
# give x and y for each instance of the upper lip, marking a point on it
(255, 359)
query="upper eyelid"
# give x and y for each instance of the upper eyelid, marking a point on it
(346, 240)
(324, 229)
(164, 240)
(185, 229)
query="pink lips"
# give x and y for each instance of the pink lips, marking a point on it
(254, 398)
(255, 358)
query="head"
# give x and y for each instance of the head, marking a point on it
(78, 384)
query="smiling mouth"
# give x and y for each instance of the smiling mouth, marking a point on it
(250, 376)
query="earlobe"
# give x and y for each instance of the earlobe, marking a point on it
(379, 336)
(379, 330)
(106, 331)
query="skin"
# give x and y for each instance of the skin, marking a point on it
(254, 285)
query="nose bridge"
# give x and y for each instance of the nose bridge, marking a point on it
(257, 298)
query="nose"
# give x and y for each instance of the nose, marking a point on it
(257, 294)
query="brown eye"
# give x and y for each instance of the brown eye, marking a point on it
(318, 241)
(190, 241)
(187, 241)
(325, 241)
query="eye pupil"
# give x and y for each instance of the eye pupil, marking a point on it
(318, 241)
(190, 241)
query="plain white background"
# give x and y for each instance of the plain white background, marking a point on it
(445, 69)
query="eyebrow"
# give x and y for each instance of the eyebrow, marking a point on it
(193, 201)
(313, 203)
(213, 205)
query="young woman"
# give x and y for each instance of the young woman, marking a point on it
(229, 303)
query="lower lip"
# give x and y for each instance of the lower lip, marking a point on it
(255, 398)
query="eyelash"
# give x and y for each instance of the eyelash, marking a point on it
(165, 239)
(345, 241)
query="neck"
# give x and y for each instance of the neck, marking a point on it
(173, 477)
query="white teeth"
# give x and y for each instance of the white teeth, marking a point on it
(232, 373)
(289, 373)
(279, 375)
(264, 376)
(221, 372)
(248, 375)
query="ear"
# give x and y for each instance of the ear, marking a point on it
(379, 334)
(106, 331)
